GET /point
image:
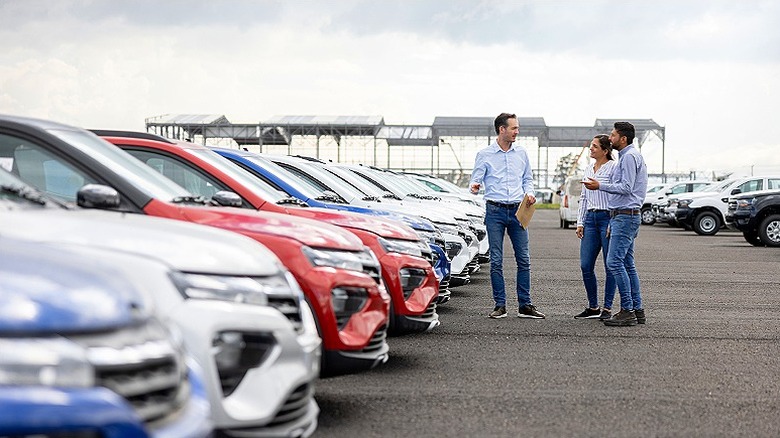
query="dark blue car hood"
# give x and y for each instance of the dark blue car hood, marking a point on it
(46, 289)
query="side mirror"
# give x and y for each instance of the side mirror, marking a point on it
(97, 196)
(736, 191)
(558, 192)
(227, 199)
(668, 192)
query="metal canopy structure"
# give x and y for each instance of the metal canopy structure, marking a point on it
(285, 130)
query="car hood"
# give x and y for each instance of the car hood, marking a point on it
(373, 224)
(308, 232)
(185, 247)
(48, 288)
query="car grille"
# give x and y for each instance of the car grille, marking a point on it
(295, 407)
(377, 341)
(444, 283)
(290, 307)
(430, 312)
(141, 365)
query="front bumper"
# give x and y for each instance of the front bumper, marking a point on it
(292, 361)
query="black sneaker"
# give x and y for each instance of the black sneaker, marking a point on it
(622, 319)
(529, 311)
(498, 312)
(605, 314)
(640, 316)
(588, 313)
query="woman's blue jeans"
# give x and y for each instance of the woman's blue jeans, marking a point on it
(499, 221)
(595, 240)
(624, 228)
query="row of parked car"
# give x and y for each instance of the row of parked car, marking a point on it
(747, 204)
(155, 287)
(750, 205)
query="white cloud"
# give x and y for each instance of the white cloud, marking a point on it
(112, 64)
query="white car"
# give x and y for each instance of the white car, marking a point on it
(241, 313)
(705, 211)
(570, 200)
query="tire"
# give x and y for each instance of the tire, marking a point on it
(561, 223)
(565, 224)
(706, 223)
(769, 230)
(752, 238)
(648, 218)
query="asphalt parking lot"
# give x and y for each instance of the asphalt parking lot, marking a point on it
(705, 364)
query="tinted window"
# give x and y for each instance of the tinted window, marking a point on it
(773, 183)
(750, 186)
(41, 169)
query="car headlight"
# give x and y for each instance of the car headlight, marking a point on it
(249, 290)
(410, 247)
(430, 236)
(350, 260)
(684, 203)
(745, 204)
(448, 229)
(46, 362)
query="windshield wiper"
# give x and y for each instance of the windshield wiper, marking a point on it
(189, 200)
(427, 197)
(292, 200)
(389, 195)
(336, 199)
(24, 193)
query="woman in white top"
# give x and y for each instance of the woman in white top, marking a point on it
(592, 224)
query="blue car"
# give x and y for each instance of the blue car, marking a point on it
(296, 186)
(83, 355)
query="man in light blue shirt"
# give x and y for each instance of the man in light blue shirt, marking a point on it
(627, 190)
(506, 174)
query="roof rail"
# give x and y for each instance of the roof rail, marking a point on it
(129, 134)
(308, 158)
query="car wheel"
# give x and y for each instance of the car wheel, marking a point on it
(752, 238)
(706, 223)
(648, 218)
(561, 222)
(769, 231)
(565, 224)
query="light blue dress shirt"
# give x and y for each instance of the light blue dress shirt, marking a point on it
(628, 185)
(506, 176)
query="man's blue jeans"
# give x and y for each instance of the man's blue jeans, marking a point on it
(594, 240)
(499, 221)
(624, 228)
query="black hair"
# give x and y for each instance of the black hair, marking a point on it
(604, 144)
(626, 129)
(502, 120)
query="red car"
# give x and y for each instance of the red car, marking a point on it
(408, 276)
(331, 264)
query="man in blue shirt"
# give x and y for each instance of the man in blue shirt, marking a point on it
(506, 173)
(627, 193)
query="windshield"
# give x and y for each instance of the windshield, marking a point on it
(358, 183)
(719, 186)
(282, 174)
(449, 186)
(371, 179)
(333, 183)
(243, 177)
(123, 164)
(14, 189)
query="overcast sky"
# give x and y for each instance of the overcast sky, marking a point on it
(709, 71)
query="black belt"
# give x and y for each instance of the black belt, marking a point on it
(598, 210)
(635, 211)
(501, 204)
